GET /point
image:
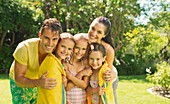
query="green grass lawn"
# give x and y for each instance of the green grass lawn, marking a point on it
(131, 90)
(5, 94)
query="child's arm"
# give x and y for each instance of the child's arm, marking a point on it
(86, 72)
(70, 85)
(98, 90)
(91, 90)
(76, 81)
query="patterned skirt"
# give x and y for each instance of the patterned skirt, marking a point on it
(76, 95)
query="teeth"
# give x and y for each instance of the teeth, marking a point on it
(79, 55)
(63, 54)
(92, 37)
(49, 47)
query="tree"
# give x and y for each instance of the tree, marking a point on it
(16, 22)
(161, 23)
(19, 21)
(76, 15)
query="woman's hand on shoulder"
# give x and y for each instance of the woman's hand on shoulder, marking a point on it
(109, 75)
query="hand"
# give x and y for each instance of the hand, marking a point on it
(109, 75)
(68, 74)
(64, 81)
(86, 72)
(101, 90)
(47, 83)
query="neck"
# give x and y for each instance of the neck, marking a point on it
(75, 60)
(96, 70)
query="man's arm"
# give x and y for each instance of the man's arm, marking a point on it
(21, 81)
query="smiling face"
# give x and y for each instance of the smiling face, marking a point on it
(64, 48)
(96, 32)
(48, 41)
(96, 59)
(80, 48)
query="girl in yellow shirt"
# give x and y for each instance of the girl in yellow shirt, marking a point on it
(55, 69)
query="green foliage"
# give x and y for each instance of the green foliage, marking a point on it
(142, 52)
(18, 17)
(6, 57)
(19, 20)
(146, 44)
(76, 15)
(161, 76)
(128, 64)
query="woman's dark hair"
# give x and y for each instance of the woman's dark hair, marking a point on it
(97, 47)
(105, 21)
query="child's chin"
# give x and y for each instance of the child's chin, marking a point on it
(95, 68)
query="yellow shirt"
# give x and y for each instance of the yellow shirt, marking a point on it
(26, 53)
(56, 71)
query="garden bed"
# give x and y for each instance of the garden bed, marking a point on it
(159, 92)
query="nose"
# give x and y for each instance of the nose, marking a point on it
(95, 61)
(80, 51)
(94, 33)
(50, 42)
(65, 50)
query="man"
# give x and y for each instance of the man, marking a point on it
(28, 57)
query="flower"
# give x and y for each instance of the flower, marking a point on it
(132, 60)
(148, 70)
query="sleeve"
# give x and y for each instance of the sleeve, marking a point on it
(20, 54)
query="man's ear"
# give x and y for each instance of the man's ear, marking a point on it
(39, 34)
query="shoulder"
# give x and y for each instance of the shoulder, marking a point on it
(108, 47)
(31, 42)
(28, 43)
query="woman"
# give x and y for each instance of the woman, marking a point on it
(100, 32)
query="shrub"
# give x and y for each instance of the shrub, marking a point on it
(130, 65)
(161, 76)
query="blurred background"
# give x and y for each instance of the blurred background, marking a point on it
(140, 28)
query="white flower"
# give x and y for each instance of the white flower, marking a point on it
(148, 70)
(117, 61)
(132, 60)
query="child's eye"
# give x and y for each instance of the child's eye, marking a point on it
(70, 49)
(99, 32)
(93, 28)
(84, 48)
(62, 46)
(98, 59)
(55, 39)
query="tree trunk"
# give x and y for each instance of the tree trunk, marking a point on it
(67, 21)
(57, 14)
(45, 9)
(2, 39)
(13, 39)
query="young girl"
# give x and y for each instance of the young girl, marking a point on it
(100, 32)
(75, 90)
(55, 69)
(99, 91)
